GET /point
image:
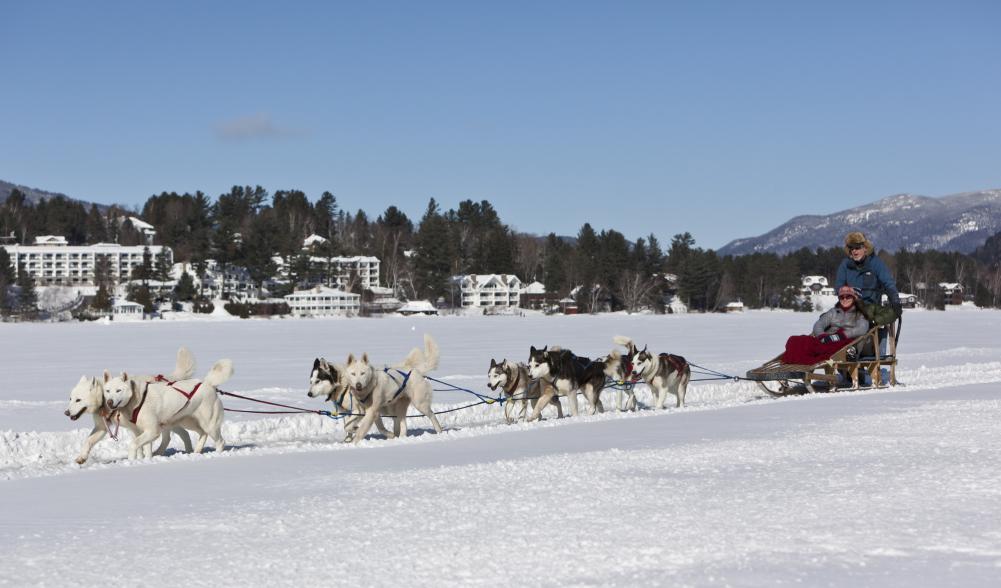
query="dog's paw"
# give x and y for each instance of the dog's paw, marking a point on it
(80, 460)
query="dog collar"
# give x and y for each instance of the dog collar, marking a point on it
(514, 386)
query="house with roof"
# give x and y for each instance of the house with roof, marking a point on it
(323, 301)
(488, 290)
(418, 307)
(952, 292)
(534, 296)
(816, 285)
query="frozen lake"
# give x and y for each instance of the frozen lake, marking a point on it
(873, 488)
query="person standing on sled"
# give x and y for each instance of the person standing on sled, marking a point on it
(871, 279)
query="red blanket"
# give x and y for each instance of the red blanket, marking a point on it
(808, 350)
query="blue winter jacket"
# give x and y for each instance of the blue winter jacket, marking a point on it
(870, 278)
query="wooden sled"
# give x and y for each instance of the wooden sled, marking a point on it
(783, 379)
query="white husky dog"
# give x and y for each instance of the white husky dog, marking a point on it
(150, 406)
(88, 397)
(327, 380)
(374, 388)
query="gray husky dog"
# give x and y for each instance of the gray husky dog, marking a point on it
(664, 373)
(520, 389)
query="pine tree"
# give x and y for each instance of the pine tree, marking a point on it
(259, 248)
(554, 264)
(6, 267)
(6, 279)
(141, 295)
(431, 261)
(97, 227)
(144, 271)
(102, 299)
(185, 289)
(27, 297)
(161, 270)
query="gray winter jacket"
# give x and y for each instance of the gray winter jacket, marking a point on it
(852, 321)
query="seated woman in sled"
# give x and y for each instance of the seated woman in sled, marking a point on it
(835, 328)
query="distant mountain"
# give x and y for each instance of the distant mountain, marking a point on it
(34, 195)
(960, 222)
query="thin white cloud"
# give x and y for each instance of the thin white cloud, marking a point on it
(256, 126)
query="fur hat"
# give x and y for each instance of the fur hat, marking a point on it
(856, 238)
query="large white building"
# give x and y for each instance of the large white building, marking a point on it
(323, 301)
(347, 272)
(52, 262)
(489, 290)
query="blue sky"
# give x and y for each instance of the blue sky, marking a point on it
(719, 118)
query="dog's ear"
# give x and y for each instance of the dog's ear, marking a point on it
(351, 358)
(644, 349)
(364, 358)
(107, 376)
(493, 362)
(316, 363)
(531, 351)
(135, 386)
(124, 376)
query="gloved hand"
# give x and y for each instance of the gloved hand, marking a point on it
(831, 338)
(897, 309)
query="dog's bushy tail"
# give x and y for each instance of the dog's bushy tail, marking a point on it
(424, 361)
(184, 369)
(220, 372)
(624, 341)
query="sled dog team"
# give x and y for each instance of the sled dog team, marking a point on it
(554, 371)
(152, 407)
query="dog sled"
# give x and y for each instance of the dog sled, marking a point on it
(844, 370)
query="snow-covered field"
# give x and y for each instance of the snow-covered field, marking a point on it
(878, 488)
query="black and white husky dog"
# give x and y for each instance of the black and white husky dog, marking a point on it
(327, 381)
(664, 373)
(569, 374)
(520, 389)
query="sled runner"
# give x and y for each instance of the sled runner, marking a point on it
(839, 372)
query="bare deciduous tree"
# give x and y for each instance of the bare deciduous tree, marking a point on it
(634, 289)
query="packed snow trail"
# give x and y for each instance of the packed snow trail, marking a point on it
(887, 488)
(35, 453)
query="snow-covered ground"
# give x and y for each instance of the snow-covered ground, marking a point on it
(898, 487)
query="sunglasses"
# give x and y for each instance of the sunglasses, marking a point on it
(846, 297)
(856, 247)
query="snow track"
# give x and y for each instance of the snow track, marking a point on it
(43, 453)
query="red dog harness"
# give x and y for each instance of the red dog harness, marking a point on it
(160, 378)
(677, 362)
